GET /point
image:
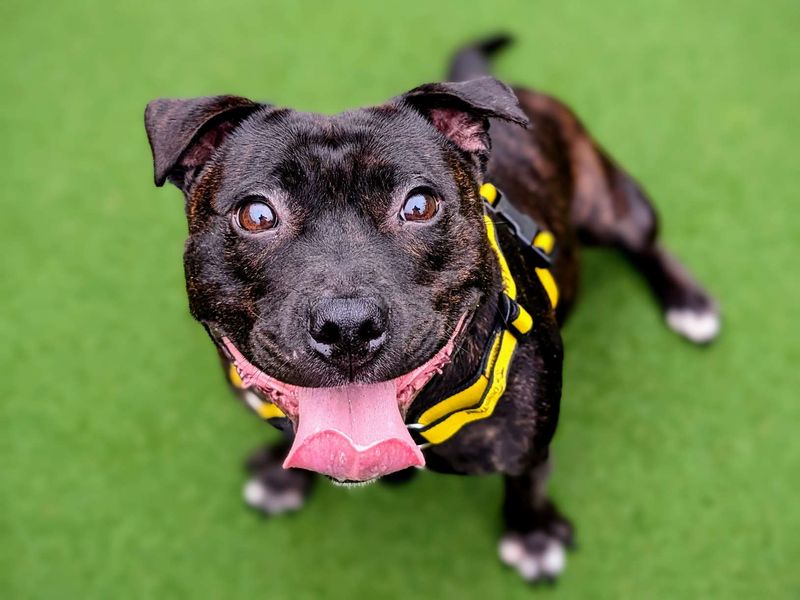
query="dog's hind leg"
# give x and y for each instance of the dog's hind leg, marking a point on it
(611, 209)
(272, 489)
(536, 535)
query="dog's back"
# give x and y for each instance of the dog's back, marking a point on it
(559, 175)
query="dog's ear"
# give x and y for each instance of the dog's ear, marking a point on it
(183, 134)
(460, 110)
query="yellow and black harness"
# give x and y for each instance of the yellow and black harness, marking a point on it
(478, 397)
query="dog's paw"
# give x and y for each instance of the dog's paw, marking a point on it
(271, 489)
(259, 494)
(536, 556)
(539, 555)
(698, 325)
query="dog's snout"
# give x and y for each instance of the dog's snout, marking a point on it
(348, 331)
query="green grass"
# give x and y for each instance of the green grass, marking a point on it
(119, 446)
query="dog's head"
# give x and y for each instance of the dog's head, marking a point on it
(335, 257)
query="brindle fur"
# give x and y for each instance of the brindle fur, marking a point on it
(554, 171)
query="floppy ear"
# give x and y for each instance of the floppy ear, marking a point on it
(183, 134)
(460, 110)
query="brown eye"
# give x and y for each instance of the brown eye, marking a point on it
(421, 205)
(256, 216)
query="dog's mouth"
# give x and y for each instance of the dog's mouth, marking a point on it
(352, 433)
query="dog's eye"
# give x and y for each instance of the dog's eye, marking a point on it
(420, 205)
(256, 215)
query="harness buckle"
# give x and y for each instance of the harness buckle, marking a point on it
(515, 318)
(415, 431)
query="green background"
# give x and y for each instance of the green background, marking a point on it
(120, 449)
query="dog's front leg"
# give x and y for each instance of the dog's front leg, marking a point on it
(536, 535)
(272, 489)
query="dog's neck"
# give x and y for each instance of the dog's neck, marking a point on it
(469, 351)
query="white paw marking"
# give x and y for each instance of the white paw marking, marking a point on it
(532, 565)
(511, 549)
(272, 502)
(554, 559)
(698, 326)
(529, 568)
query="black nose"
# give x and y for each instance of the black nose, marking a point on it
(347, 331)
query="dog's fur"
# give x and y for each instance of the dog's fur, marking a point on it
(337, 183)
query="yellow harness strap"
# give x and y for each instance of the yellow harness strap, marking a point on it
(544, 240)
(479, 398)
(263, 408)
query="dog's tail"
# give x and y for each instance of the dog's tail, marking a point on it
(473, 60)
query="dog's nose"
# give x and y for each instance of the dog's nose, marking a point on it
(347, 331)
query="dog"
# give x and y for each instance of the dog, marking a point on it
(387, 285)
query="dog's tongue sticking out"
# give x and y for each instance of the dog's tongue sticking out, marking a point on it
(353, 432)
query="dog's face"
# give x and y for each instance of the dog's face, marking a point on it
(330, 251)
(335, 249)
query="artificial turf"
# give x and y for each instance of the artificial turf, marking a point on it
(120, 448)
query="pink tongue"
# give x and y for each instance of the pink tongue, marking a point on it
(353, 432)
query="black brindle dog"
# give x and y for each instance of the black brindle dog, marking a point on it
(347, 269)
